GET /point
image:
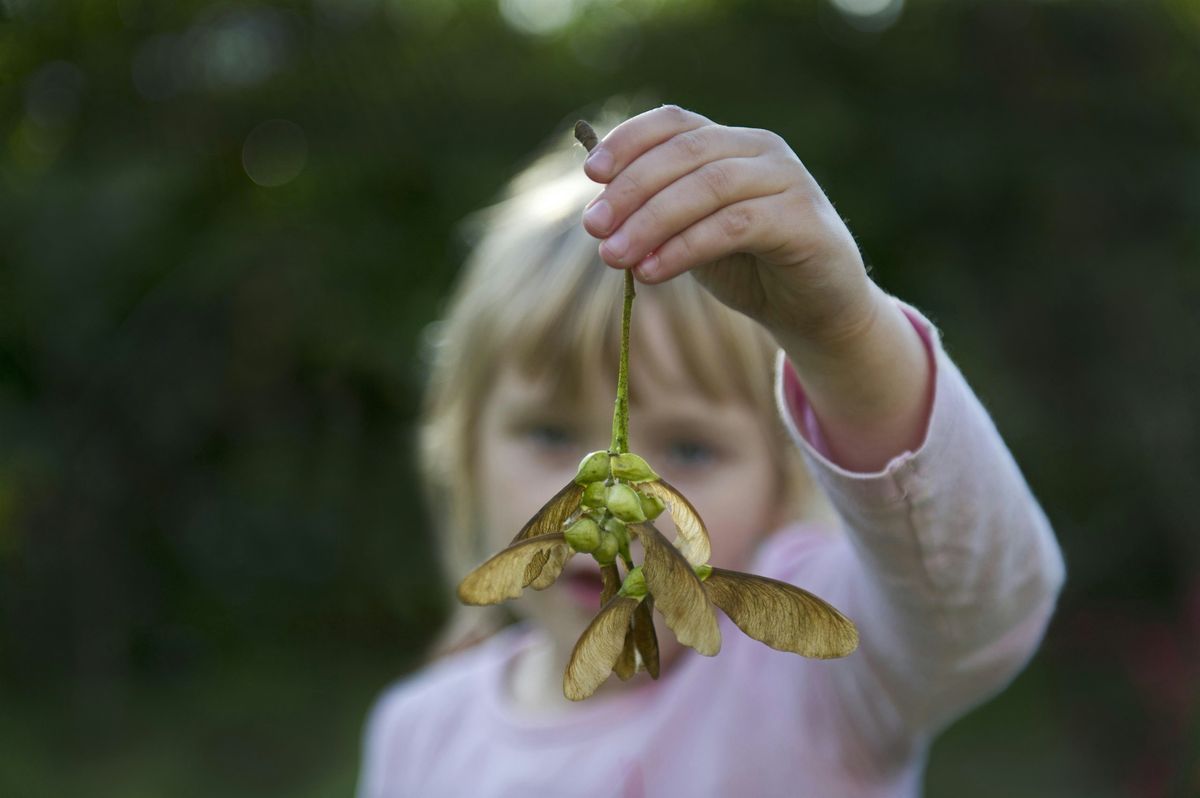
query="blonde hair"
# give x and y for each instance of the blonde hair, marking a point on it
(533, 292)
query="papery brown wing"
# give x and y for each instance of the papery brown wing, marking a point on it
(506, 574)
(644, 636)
(692, 540)
(610, 581)
(781, 615)
(541, 575)
(598, 648)
(553, 513)
(677, 592)
(547, 520)
(626, 665)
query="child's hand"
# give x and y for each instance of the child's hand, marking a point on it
(737, 208)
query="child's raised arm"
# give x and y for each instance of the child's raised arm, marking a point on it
(951, 570)
(737, 208)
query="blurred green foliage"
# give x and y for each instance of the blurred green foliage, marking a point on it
(212, 554)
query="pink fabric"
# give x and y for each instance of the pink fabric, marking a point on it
(945, 561)
(795, 403)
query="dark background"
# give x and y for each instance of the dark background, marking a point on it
(223, 227)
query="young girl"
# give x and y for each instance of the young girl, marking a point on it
(871, 476)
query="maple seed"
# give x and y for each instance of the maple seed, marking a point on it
(678, 593)
(553, 514)
(593, 468)
(644, 637)
(617, 527)
(631, 468)
(621, 532)
(692, 539)
(652, 506)
(598, 648)
(593, 494)
(782, 615)
(610, 583)
(634, 585)
(583, 535)
(534, 562)
(623, 502)
(606, 552)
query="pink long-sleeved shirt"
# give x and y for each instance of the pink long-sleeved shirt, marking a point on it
(944, 560)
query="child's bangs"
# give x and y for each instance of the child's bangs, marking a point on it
(568, 333)
(554, 307)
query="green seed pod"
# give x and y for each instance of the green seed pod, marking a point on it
(593, 467)
(652, 506)
(703, 571)
(631, 468)
(634, 585)
(621, 533)
(606, 552)
(615, 527)
(583, 535)
(623, 502)
(593, 494)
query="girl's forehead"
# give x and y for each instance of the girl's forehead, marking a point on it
(656, 357)
(659, 382)
(658, 364)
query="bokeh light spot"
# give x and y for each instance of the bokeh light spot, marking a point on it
(239, 49)
(275, 153)
(539, 16)
(869, 15)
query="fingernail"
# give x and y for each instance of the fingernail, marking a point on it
(617, 244)
(600, 160)
(648, 268)
(599, 216)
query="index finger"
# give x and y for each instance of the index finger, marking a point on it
(628, 140)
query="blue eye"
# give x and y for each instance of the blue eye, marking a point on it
(549, 436)
(690, 453)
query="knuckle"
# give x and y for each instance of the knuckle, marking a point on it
(691, 145)
(626, 188)
(736, 221)
(807, 202)
(716, 178)
(651, 216)
(674, 111)
(770, 139)
(689, 244)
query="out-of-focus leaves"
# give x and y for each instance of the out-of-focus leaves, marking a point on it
(208, 384)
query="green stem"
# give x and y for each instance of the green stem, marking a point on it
(620, 428)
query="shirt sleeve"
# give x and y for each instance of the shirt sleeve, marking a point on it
(952, 570)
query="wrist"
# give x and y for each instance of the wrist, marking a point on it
(871, 394)
(849, 339)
